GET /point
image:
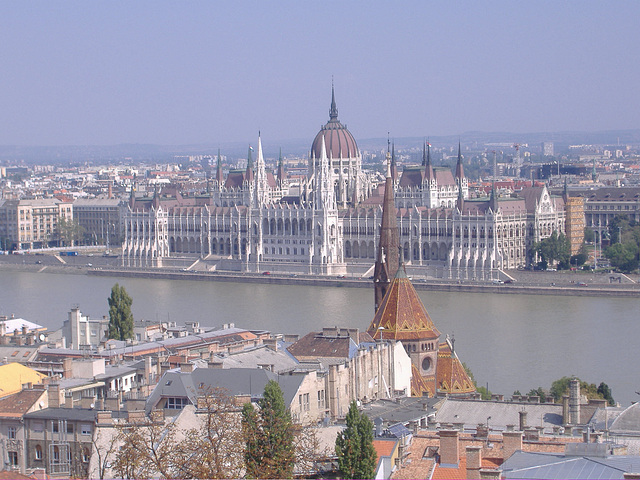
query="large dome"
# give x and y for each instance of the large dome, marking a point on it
(338, 141)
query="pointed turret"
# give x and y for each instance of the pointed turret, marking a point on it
(249, 173)
(493, 199)
(333, 111)
(280, 172)
(388, 259)
(394, 167)
(219, 177)
(459, 168)
(460, 200)
(428, 169)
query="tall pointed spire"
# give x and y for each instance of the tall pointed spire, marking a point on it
(219, 177)
(394, 167)
(249, 172)
(459, 168)
(428, 169)
(280, 172)
(388, 260)
(424, 153)
(333, 112)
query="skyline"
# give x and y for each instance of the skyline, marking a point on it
(107, 73)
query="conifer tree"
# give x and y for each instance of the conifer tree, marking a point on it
(269, 436)
(354, 446)
(120, 316)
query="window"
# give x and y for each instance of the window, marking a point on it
(85, 455)
(176, 403)
(13, 459)
(70, 428)
(38, 427)
(38, 452)
(11, 432)
(54, 424)
(85, 429)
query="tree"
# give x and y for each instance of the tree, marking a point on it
(212, 449)
(560, 387)
(354, 446)
(120, 316)
(554, 248)
(623, 256)
(269, 436)
(69, 231)
(148, 449)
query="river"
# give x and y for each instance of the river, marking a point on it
(509, 341)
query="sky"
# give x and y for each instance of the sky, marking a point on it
(206, 72)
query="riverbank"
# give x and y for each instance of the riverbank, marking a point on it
(524, 282)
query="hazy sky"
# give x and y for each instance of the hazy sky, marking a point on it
(93, 72)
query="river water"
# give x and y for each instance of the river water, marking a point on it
(509, 341)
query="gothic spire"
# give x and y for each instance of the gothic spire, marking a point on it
(333, 113)
(280, 169)
(219, 177)
(388, 260)
(249, 172)
(428, 169)
(459, 168)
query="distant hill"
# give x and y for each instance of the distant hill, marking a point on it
(134, 153)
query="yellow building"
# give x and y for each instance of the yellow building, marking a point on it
(14, 375)
(574, 222)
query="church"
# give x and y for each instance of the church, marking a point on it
(328, 222)
(401, 316)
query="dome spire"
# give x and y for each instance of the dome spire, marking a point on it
(333, 113)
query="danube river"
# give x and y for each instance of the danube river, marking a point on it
(509, 341)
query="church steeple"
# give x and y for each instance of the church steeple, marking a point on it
(388, 260)
(394, 167)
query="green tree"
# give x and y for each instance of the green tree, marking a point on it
(560, 387)
(268, 436)
(554, 248)
(354, 446)
(69, 231)
(623, 256)
(120, 316)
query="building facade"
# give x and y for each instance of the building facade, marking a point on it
(257, 221)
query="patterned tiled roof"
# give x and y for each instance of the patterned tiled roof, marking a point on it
(451, 375)
(402, 315)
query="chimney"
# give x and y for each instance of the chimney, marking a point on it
(186, 367)
(271, 343)
(574, 401)
(523, 420)
(474, 461)
(67, 370)
(54, 395)
(511, 442)
(449, 447)
(104, 418)
(147, 370)
(565, 410)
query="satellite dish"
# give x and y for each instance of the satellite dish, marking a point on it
(41, 337)
(92, 406)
